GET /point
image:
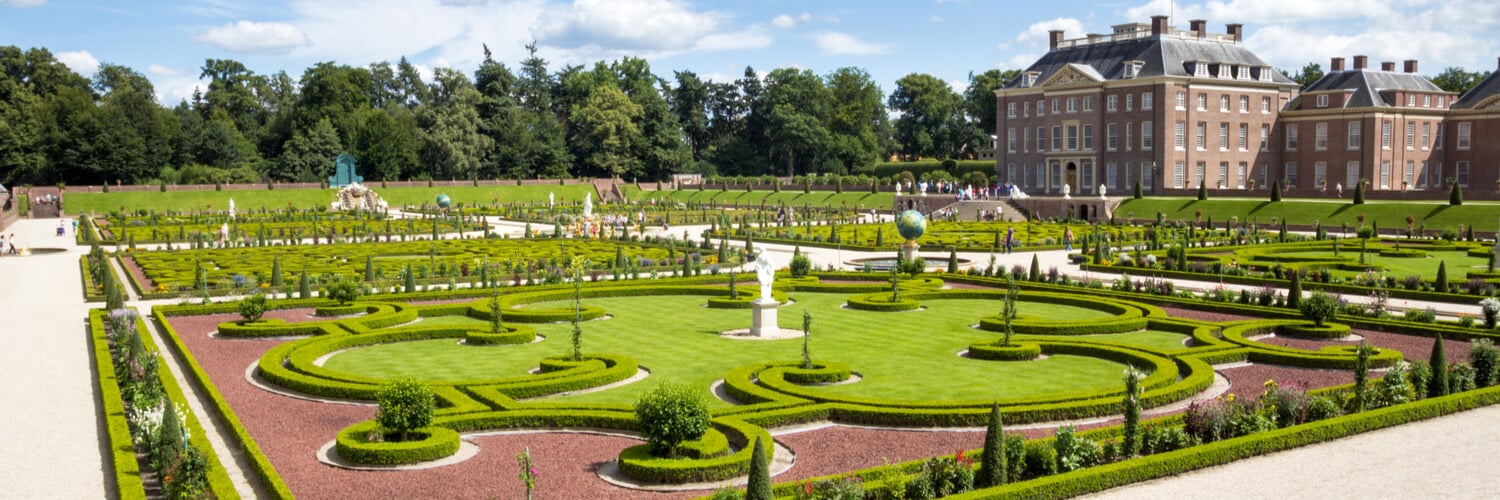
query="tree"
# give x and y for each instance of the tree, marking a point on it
(952, 259)
(1441, 283)
(1202, 191)
(992, 464)
(309, 156)
(856, 122)
(669, 415)
(979, 97)
(1359, 192)
(1456, 195)
(452, 142)
(607, 132)
(1320, 307)
(409, 280)
(1008, 310)
(496, 317)
(759, 487)
(1275, 191)
(1484, 358)
(252, 307)
(1137, 195)
(405, 406)
(304, 289)
(796, 102)
(1361, 374)
(1308, 75)
(387, 144)
(1131, 440)
(276, 279)
(1457, 80)
(689, 102)
(577, 312)
(342, 290)
(1437, 385)
(931, 122)
(1035, 273)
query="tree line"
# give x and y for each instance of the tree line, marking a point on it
(611, 119)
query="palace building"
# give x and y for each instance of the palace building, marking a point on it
(1172, 109)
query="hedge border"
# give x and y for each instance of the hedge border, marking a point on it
(352, 444)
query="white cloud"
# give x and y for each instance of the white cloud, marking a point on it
(958, 86)
(159, 70)
(1037, 32)
(835, 43)
(936, 19)
(23, 3)
(626, 24)
(1268, 11)
(734, 41)
(80, 61)
(784, 21)
(250, 36)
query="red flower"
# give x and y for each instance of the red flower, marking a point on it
(807, 487)
(959, 457)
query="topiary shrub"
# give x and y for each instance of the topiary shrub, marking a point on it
(800, 265)
(342, 290)
(1438, 384)
(405, 405)
(1275, 191)
(992, 464)
(1319, 307)
(252, 307)
(1456, 195)
(1484, 357)
(670, 415)
(759, 487)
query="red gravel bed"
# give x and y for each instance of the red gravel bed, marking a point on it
(1412, 347)
(147, 285)
(1249, 381)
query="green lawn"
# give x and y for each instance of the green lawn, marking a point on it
(1390, 215)
(245, 200)
(859, 199)
(1149, 339)
(904, 356)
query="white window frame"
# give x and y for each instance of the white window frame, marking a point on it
(1320, 137)
(1411, 136)
(1181, 101)
(1465, 130)
(1385, 135)
(1224, 103)
(1354, 135)
(1291, 137)
(1244, 104)
(1147, 136)
(1111, 136)
(1146, 101)
(1323, 100)
(1179, 135)
(1462, 174)
(1244, 137)
(1265, 137)
(1010, 110)
(1200, 140)
(1223, 136)
(1110, 102)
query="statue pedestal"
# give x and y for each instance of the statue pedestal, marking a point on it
(909, 251)
(763, 317)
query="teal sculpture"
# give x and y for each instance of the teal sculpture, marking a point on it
(443, 201)
(343, 174)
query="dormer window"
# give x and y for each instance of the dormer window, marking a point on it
(1323, 101)
(1132, 69)
(1243, 73)
(1030, 79)
(1265, 73)
(1200, 69)
(1224, 71)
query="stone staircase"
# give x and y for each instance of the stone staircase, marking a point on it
(969, 209)
(608, 190)
(45, 210)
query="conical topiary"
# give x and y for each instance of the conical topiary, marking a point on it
(276, 279)
(992, 463)
(1441, 284)
(1202, 191)
(1456, 195)
(1275, 191)
(1437, 385)
(304, 289)
(1036, 269)
(759, 487)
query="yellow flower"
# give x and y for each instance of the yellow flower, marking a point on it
(1230, 398)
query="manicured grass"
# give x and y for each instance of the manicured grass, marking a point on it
(244, 200)
(1149, 339)
(1390, 215)
(970, 236)
(860, 199)
(908, 356)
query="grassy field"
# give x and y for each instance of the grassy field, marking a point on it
(851, 198)
(101, 203)
(1390, 215)
(905, 356)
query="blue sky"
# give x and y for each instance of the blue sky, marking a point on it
(168, 41)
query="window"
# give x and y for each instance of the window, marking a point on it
(1291, 137)
(1463, 174)
(1129, 135)
(1129, 177)
(1242, 73)
(1177, 175)
(1026, 140)
(1086, 177)
(1411, 100)
(1146, 139)
(1435, 176)
(1320, 138)
(1072, 137)
(1223, 104)
(1385, 135)
(1291, 174)
(1223, 136)
(1056, 179)
(1010, 139)
(1041, 107)
(1223, 174)
(1010, 110)
(1265, 170)
(1181, 101)
(1072, 104)
(1055, 103)
(1244, 137)
(1026, 109)
(1041, 175)
(1177, 134)
(1411, 135)
(1320, 173)
(1146, 101)
(1109, 103)
(1406, 174)
(1111, 136)
(1010, 173)
(1265, 105)
(1323, 101)
(1202, 102)
(1463, 136)
(1440, 102)
(1437, 138)
(1427, 101)
(1244, 104)
(1351, 174)
(1147, 171)
(1200, 70)
(1202, 136)
(1422, 179)
(1088, 138)
(1041, 139)
(1354, 136)
(1265, 137)
(1109, 175)
(1225, 71)
(1426, 134)
(1129, 102)
(1201, 173)
(1088, 103)
(1056, 138)
(1385, 174)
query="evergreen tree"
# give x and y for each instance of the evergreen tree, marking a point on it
(1361, 374)
(369, 268)
(276, 279)
(304, 289)
(1456, 195)
(1359, 192)
(992, 464)
(1131, 443)
(1036, 269)
(1294, 292)
(1202, 191)
(1441, 285)
(1437, 385)
(760, 475)
(953, 259)
(1275, 191)
(1137, 189)
(880, 236)
(411, 280)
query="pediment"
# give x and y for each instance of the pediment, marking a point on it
(1074, 73)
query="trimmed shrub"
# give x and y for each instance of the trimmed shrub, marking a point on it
(670, 415)
(405, 406)
(1456, 195)
(1484, 357)
(759, 487)
(1438, 384)
(1320, 307)
(251, 308)
(992, 466)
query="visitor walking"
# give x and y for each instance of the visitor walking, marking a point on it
(1068, 239)
(1010, 239)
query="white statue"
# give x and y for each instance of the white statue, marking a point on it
(231, 208)
(550, 201)
(224, 232)
(1067, 191)
(588, 204)
(765, 273)
(1101, 193)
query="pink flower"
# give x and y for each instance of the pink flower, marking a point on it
(533, 472)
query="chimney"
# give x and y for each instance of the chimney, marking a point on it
(1236, 31)
(1200, 27)
(1410, 66)
(1388, 66)
(1360, 62)
(1054, 38)
(1337, 64)
(1159, 25)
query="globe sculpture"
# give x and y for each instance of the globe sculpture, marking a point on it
(911, 224)
(443, 201)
